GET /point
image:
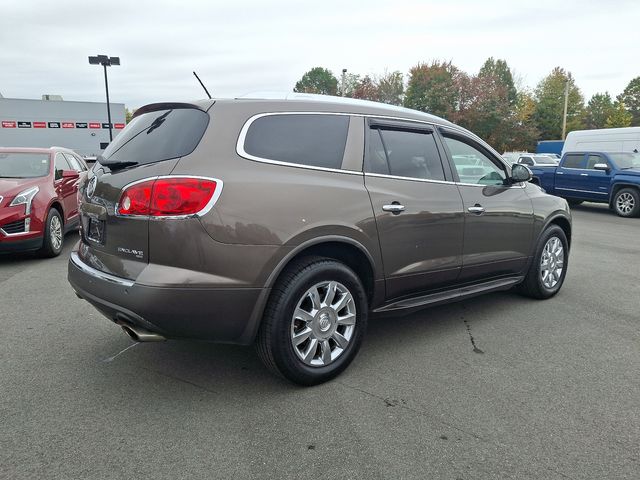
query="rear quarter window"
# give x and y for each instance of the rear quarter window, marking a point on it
(158, 135)
(311, 140)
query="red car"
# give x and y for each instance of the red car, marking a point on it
(38, 198)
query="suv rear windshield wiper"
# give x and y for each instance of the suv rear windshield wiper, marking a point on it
(118, 165)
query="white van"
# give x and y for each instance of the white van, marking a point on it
(603, 140)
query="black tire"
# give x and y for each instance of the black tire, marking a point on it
(626, 202)
(572, 202)
(49, 247)
(533, 285)
(274, 341)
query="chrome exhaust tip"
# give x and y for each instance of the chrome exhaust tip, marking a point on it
(140, 334)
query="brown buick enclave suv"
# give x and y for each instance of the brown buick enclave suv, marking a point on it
(287, 222)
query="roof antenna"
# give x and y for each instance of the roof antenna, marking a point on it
(205, 88)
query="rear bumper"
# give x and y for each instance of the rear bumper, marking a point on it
(226, 315)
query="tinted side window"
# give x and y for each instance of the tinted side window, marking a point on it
(473, 165)
(73, 161)
(593, 159)
(61, 164)
(313, 140)
(410, 153)
(376, 158)
(156, 136)
(573, 160)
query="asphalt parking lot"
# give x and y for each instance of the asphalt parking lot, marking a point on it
(551, 389)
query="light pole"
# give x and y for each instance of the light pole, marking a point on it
(106, 61)
(344, 73)
(564, 114)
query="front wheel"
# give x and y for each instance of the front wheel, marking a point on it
(53, 234)
(549, 265)
(314, 322)
(626, 203)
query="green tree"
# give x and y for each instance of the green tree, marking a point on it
(434, 88)
(390, 87)
(501, 73)
(489, 106)
(631, 98)
(317, 80)
(549, 95)
(599, 108)
(525, 133)
(128, 114)
(366, 90)
(619, 117)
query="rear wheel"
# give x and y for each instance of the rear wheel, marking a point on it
(549, 265)
(53, 234)
(314, 322)
(626, 202)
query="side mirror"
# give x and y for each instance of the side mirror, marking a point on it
(601, 166)
(520, 173)
(70, 174)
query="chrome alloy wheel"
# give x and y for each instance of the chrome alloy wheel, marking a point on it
(55, 232)
(552, 262)
(625, 203)
(323, 323)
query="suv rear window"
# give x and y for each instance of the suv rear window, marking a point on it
(158, 135)
(313, 140)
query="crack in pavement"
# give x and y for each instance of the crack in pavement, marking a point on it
(473, 342)
(178, 379)
(404, 405)
(411, 409)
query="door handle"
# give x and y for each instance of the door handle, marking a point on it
(393, 208)
(477, 209)
(584, 174)
(559, 173)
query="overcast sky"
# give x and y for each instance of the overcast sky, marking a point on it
(239, 47)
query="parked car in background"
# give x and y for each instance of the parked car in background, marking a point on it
(603, 140)
(287, 222)
(512, 157)
(612, 178)
(38, 198)
(556, 156)
(531, 160)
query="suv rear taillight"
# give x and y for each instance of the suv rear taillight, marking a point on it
(173, 196)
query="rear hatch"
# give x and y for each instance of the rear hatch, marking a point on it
(150, 146)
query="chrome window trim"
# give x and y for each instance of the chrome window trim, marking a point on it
(515, 185)
(427, 180)
(245, 128)
(75, 259)
(415, 179)
(455, 128)
(206, 209)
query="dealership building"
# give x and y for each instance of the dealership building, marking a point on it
(52, 121)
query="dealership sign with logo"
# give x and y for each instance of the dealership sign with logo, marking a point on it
(26, 124)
